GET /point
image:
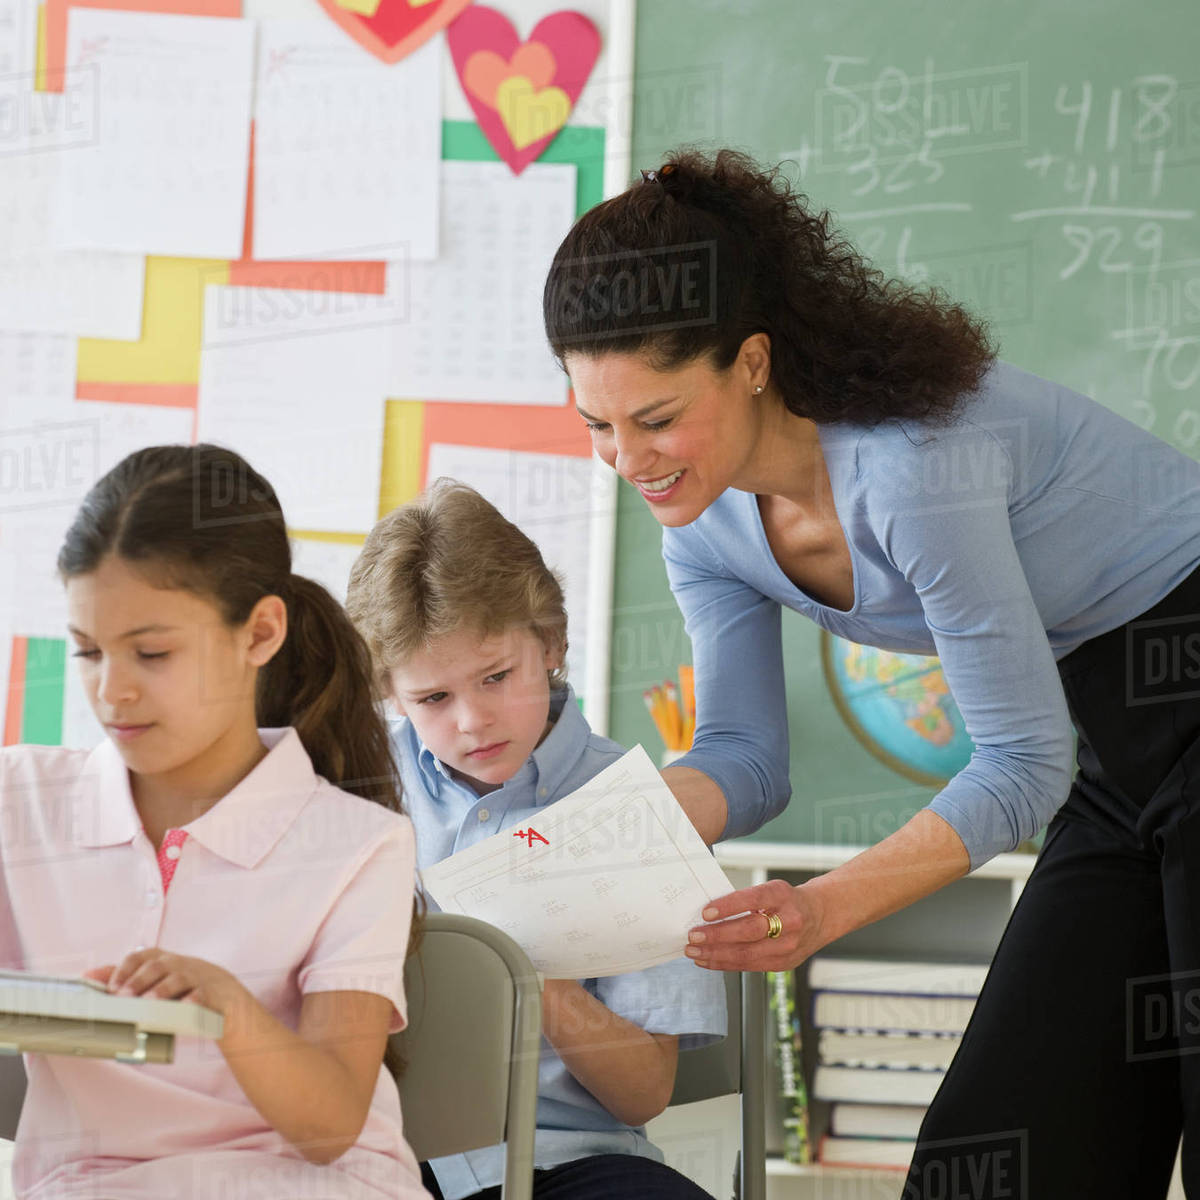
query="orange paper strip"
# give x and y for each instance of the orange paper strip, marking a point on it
(15, 699)
(535, 428)
(167, 395)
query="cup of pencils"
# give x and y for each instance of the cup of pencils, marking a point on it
(674, 712)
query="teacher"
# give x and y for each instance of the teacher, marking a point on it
(815, 436)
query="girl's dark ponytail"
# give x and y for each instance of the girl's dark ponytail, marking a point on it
(320, 682)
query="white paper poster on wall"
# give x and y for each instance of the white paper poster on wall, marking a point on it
(328, 563)
(168, 99)
(91, 293)
(475, 329)
(37, 380)
(346, 148)
(56, 463)
(296, 383)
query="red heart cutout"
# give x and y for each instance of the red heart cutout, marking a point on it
(395, 27)
(487, 53)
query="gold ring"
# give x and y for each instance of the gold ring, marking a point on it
(774, 925)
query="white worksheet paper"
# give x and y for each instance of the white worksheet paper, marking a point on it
(476, 330)
(89, 293)
(346, 148)
(296, 382)
(167, 170)
(551, 498)
(623, 877)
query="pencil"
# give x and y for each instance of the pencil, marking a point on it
(687, 689)
(673, 714)
(654, 707)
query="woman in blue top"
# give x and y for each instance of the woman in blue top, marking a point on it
(812, 435)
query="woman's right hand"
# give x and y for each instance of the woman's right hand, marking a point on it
(924, 854)
(735, 936)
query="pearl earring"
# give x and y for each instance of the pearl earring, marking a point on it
(758, 389)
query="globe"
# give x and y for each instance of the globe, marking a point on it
(899, 707)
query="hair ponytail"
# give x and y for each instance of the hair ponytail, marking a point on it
(320, 682)
(847, 343)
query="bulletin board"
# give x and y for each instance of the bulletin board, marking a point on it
(1039, 160)
(272, 343)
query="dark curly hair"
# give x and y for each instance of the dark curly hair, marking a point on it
(710, 249)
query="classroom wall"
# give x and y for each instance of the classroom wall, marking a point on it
(351, 370)
(1039, 159)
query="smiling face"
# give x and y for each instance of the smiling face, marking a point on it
(170, 681)
(480, 704)
(681, 437)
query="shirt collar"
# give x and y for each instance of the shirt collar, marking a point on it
(552, 761)
(557, 756)
(241, 827)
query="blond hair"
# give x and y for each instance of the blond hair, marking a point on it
(446, 561)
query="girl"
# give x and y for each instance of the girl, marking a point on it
(237, 842)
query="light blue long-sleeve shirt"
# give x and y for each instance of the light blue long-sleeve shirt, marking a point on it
(1037, 520)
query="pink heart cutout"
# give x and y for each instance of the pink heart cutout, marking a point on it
(485, 70)
(396, 27)
(487, 50)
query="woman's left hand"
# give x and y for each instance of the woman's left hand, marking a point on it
(157, 973)
(741, 943)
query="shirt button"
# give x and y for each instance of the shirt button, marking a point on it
(542, 792)
(484, 814)
(172, 851)
(151, 898)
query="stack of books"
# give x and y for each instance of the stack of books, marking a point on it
(886, 1032)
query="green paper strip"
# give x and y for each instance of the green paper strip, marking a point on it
(582, 145)
(45, 687)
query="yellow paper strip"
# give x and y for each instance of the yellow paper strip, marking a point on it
(403, 435)
(172, 327)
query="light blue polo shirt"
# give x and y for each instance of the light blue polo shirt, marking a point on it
(674, 998)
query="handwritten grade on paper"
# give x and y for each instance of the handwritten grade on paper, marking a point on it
(608, 880)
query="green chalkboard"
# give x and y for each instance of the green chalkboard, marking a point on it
(1040, 160)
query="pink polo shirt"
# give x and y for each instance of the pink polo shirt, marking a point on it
(288, 882)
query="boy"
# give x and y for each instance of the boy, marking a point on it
(468, 634)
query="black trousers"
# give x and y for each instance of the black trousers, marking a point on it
(599, 1177)
(1080, 1066)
